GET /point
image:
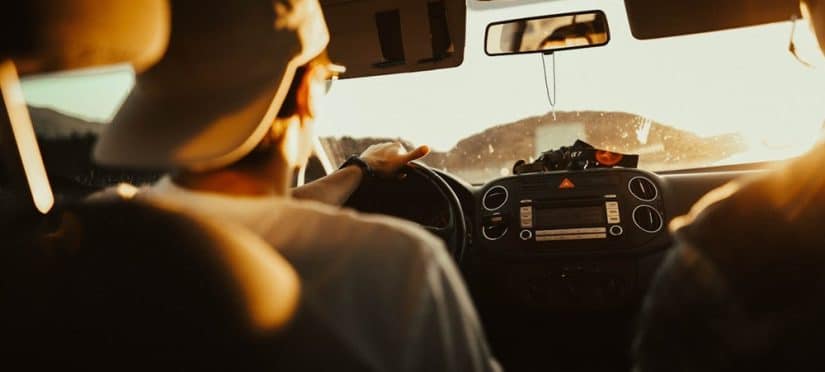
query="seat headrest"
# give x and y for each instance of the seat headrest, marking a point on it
(126, 280)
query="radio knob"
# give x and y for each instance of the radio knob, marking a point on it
(526, 234)
(616, 230)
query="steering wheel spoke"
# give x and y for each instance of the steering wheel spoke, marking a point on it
(443, 233)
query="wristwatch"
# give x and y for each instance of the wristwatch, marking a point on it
(360, 163)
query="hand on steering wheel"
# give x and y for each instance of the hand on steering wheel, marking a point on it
(387, 159)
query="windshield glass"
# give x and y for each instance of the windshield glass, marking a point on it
(717, 98)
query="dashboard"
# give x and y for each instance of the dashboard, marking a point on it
(561, 241)
(547, 214)
(557, 263)
(567, 240)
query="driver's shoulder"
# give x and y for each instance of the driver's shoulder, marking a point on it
(356, 230)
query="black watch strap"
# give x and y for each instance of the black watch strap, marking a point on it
(360, 163)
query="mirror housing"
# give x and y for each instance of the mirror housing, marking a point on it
(547, 34)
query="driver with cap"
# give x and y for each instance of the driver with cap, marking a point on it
(228, 111)
(744, 287)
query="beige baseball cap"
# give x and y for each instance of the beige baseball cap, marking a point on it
(219, 86)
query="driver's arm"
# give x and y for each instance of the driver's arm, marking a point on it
(385, 159)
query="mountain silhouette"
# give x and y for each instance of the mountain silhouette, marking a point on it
(490, 154)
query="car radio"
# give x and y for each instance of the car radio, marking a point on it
(551, 220)
(600, 209)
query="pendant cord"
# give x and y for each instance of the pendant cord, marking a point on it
(550, 98)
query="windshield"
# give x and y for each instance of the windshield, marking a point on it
(717, 98)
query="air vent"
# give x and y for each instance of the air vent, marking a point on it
(648, 219)
(495, 198)
(494, 227)
(494, 232)
(643, 189)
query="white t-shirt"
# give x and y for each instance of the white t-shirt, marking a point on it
(384, 286)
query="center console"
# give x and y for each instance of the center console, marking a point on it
(571, 212)
(568, 240)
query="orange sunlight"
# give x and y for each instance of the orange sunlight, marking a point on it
(24, 137)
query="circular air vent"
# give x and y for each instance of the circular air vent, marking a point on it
(495, 198)
(648, 219)
(643, 189)
(493, 232)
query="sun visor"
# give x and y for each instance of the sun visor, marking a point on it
(378, 37)
(47, 36)
(651, 19)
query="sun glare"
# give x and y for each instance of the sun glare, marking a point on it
(24, 137)
(741, 82)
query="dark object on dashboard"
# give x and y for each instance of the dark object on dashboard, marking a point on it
(580, 156)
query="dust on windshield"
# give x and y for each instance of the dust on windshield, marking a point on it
(492, 153)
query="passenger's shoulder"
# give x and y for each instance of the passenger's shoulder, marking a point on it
(763, 211)
(787, 193)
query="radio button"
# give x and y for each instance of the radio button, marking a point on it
(527, 223)
(616, 230)
(612, 212)
(526, 235)
(526, 210)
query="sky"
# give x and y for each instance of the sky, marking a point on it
(740, 80)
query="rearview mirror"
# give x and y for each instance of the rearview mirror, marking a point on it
(547, 34)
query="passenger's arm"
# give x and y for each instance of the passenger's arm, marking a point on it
(385, 159)
(682, 322)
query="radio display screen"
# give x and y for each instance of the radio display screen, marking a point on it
(563, 217)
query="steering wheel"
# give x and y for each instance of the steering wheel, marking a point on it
(453, 232)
